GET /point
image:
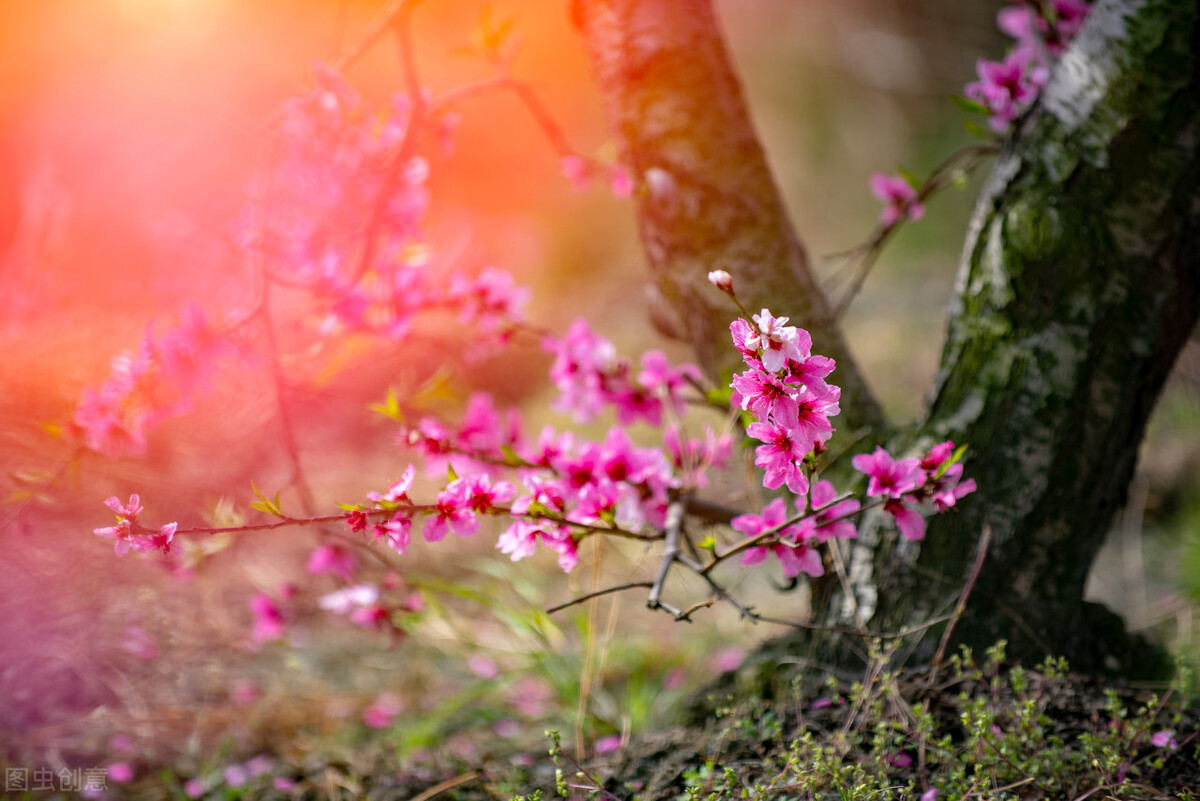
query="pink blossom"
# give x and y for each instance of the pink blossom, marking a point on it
(781, 342)
(348, 599)
(482, 496)
(120, 772)
(582, 359)
(482, 666)
(121, 534)
(139, 643)
(608, 744)
(382, 711)
(747, 340)
(818, 525)
(728, 659)
(721, 280)
(1005, 87)
(129, 511)
(909, 521)
(530, 696)
(794, 557)
(1164, 739)
(333, 559)
(621, 182)
(813, 410)
(898, 196)
(691, 459)
(889, 477)
(575, 169)
(780, 457)
(663, 380)
(492, 300)
(244, 693)
(396, 532)
(452, 512)
(398, 492)
(269, 618)
(768, 395)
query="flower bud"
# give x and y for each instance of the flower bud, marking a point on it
(721, 280)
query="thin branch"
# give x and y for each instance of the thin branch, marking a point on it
(942, 176)
(375, 30)
(606, 591)
(674, 522)
(449, 784)
(985, 540)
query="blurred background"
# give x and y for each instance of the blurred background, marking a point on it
(129, 130)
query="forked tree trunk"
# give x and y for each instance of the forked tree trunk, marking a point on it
(1079, 284)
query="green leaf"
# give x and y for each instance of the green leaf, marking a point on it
(953, 460)
(450, 474)
(913, 179)
(511, 458)
(264, 504)
(968, 105)
(390, 408)
(976, 130)
(709, 543)
(719, 395)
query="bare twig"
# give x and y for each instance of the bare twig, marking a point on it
(674, 522)
(449, 784)
(965, 160)
(606, 591)
(985, 539)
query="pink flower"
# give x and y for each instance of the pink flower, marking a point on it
(780, 457)
(139, 643)
(768, 395)
(382, 711)
(606, 745)
(794, 557)
(482, 666)
(888, 477)
(120, 772)
(196, 787)
(244, 692)
(121, 534)
(781, 342)
(396, 532)
(728, 659)
(333, 559)
(898, 196)
(909, 521)
(483, 497)
(129, 511)
(269, 618)
(575, 169)
(1164, 739)
(452, 512)
(721, 280)
(747, 340)
(398, 492)
(621, 183)
(1005, 87)
(818, 525)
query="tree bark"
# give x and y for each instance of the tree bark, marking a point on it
(1079, 284)
(705, 197)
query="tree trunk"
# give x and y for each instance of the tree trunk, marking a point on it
(1078, 286)
(706, 199)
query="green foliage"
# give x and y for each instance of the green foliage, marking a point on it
(1007, 733)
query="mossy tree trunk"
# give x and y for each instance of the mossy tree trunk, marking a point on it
(1079, 284)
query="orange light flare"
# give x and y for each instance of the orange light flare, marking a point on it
(129, 130)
